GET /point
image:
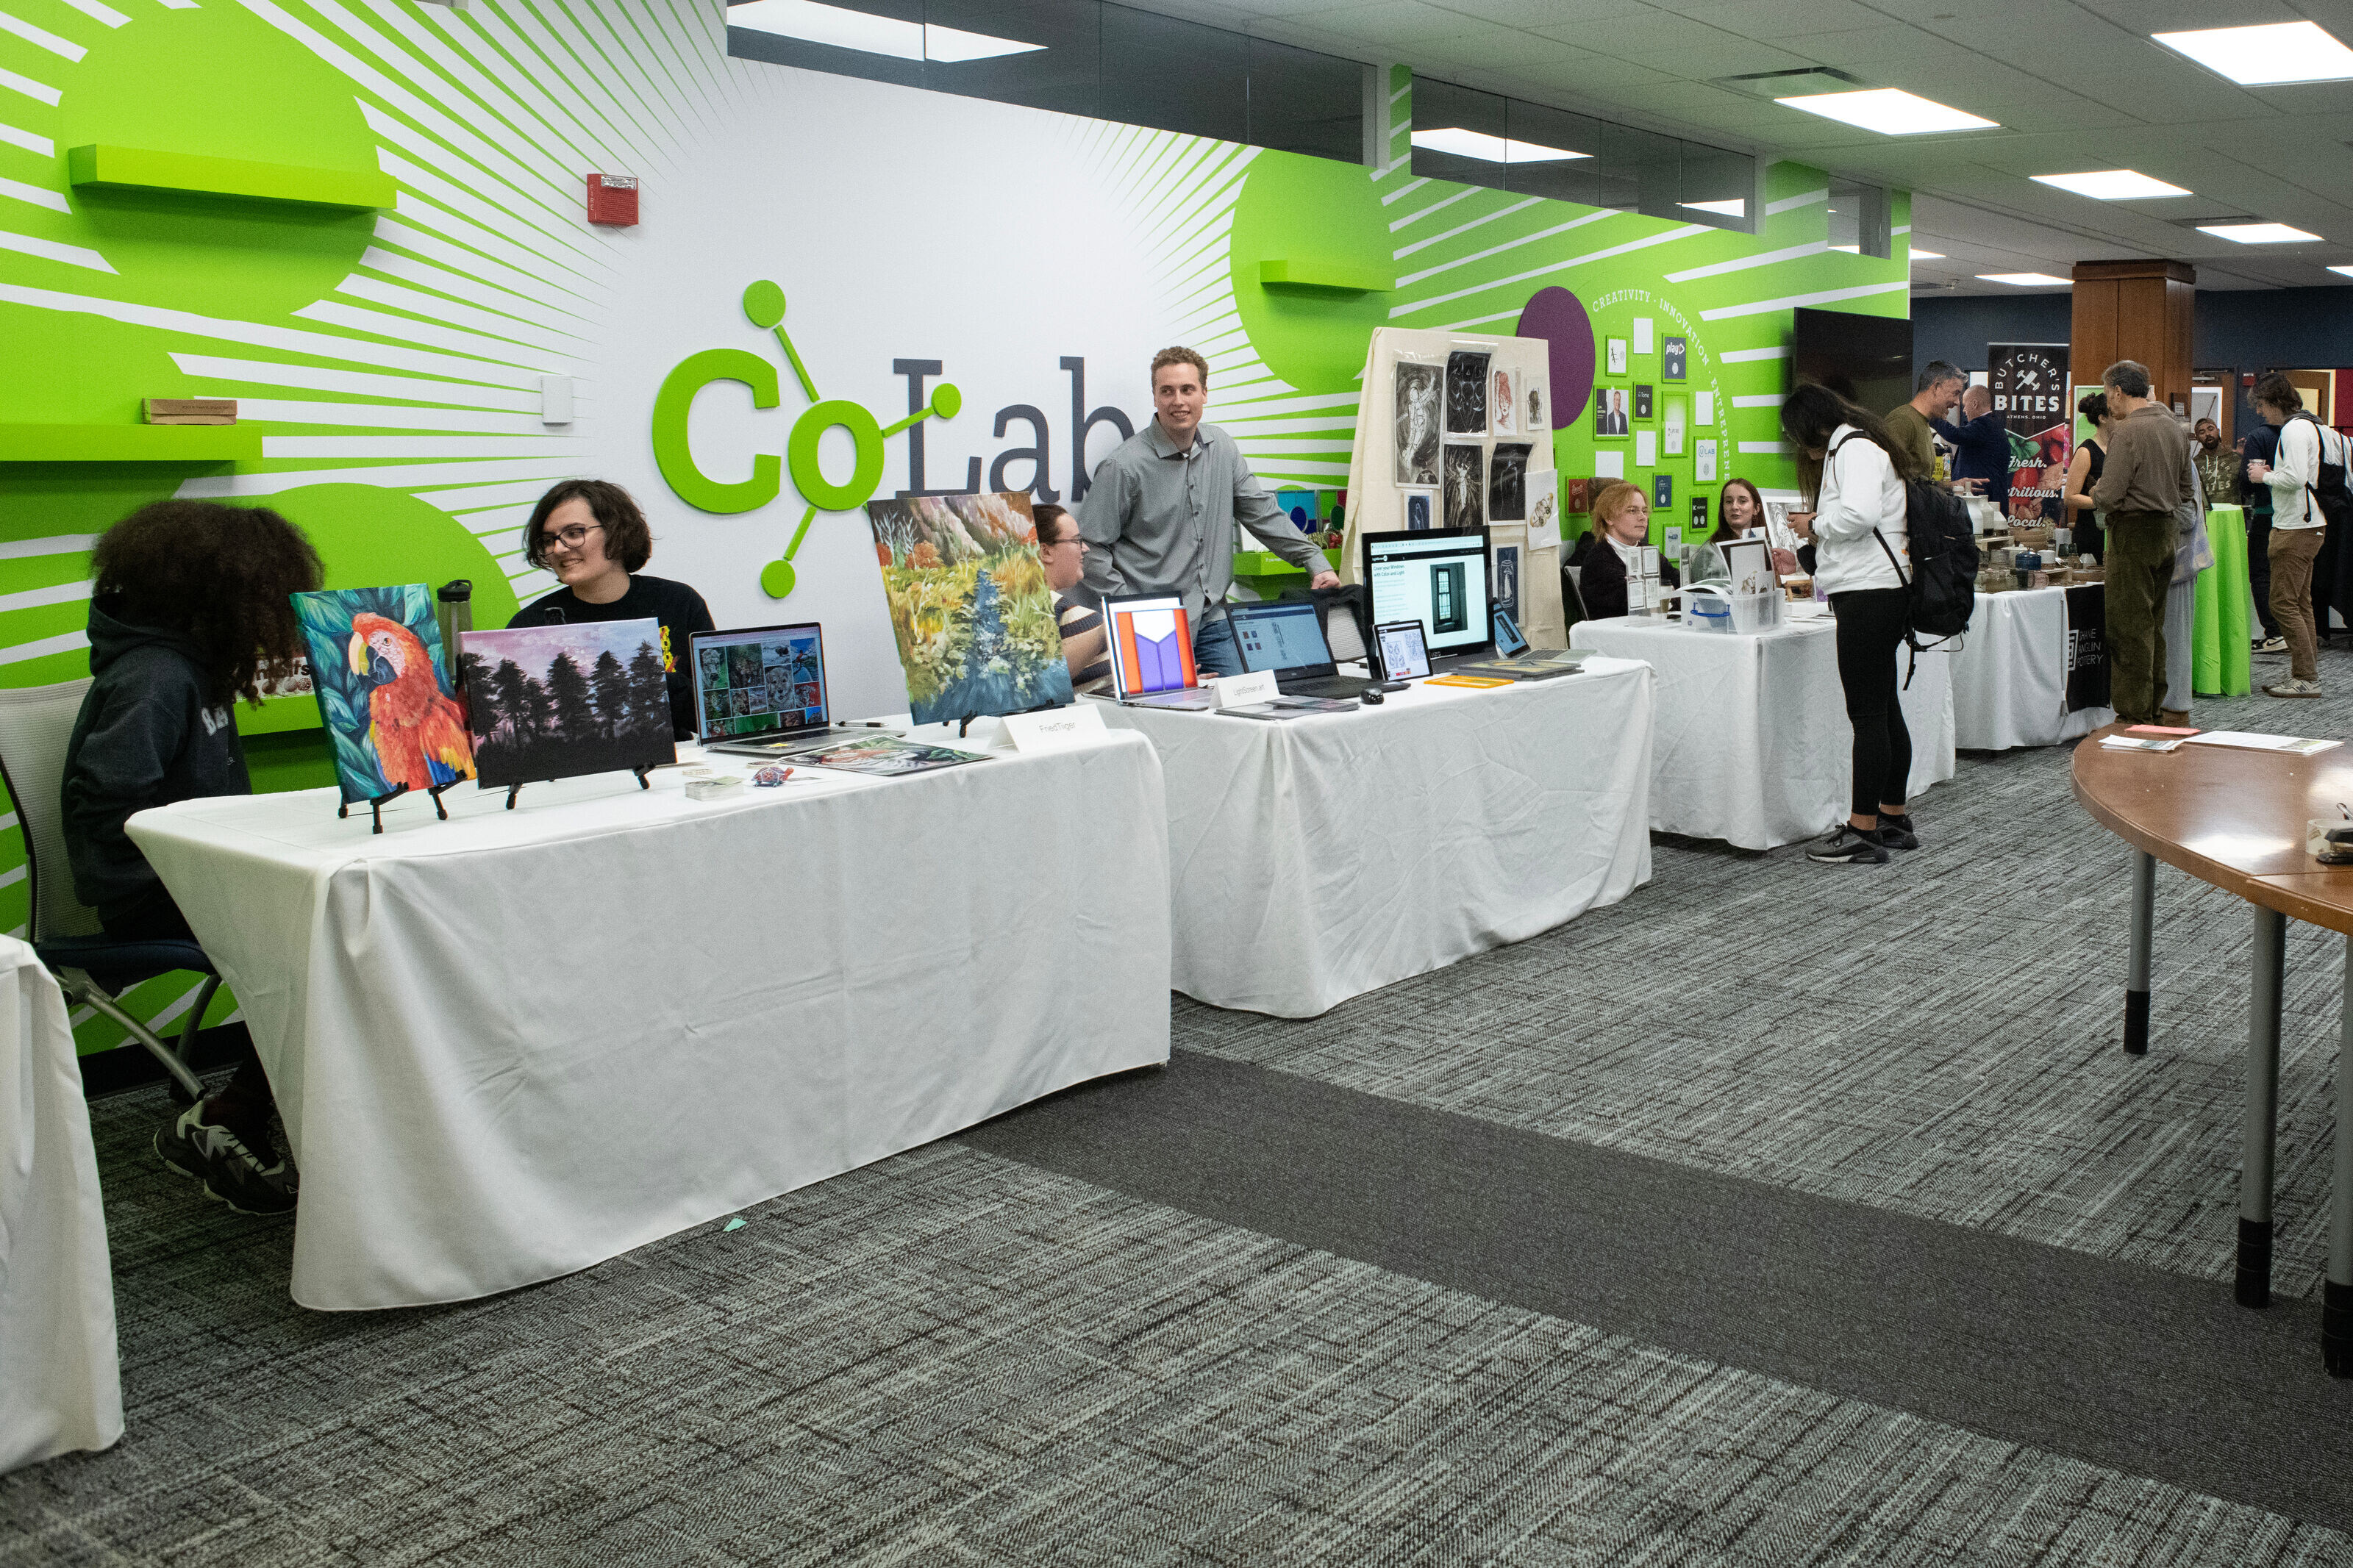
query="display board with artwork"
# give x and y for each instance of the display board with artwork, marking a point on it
(970, 608)
(386, 696)
(1456, 431)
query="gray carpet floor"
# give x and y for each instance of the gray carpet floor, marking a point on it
(963, 1355)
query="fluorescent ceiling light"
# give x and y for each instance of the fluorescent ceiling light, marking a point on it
(1736, 208)
(1463, 144)
(2024, 279)
(2256, 233)
(2258, 56)
(1889, 110)
(2346, 270)
(1916, 255)
(813, 23)
(2112, 186)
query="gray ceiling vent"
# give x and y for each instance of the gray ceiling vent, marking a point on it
(1790, 83)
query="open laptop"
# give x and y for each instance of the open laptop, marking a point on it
(1437, 577)
(1288, 638)
(761, 691)
(1152, 652)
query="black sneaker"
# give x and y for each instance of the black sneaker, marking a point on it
(1896, 832)
(1850, 845)
(220, 1159)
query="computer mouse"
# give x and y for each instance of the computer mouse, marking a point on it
(1371, 697)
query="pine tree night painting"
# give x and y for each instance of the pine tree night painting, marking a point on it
(549, 702)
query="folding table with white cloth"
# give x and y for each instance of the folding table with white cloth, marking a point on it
(1754, 747)
(59, 1386)
(517, 1043)
(1314, 860)
(2009, 678)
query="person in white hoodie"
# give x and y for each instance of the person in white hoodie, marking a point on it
(1853, 472)
(2298, 527)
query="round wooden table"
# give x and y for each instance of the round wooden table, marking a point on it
(2235, 819)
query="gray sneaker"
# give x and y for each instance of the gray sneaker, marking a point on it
(2294, 688)
(220, 1159)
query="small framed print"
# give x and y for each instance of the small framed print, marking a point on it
(1675, 356)
(1646, 449)
(1418, 507)
(1608, 413)
(1704, 461)
(1643, 330)
(1673, 428)
(1662, 490)
(1645, 400)
(1616, 360)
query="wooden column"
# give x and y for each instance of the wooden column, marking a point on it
(2135, 309)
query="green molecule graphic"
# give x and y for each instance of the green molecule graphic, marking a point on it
(764, 307)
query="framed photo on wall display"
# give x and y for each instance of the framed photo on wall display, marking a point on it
(1704, 461)
(1466, 484)
(1673, 427)
(1506, 547)
(1616, 356)
(1417, 389)
(1662, 491)
(1466, 392)
(1418, 507)
(1673, 359)
(1502, 402)
(1609, 413)
(1536, 426)
(1645, 401)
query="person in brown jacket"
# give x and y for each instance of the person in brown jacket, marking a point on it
(2140, 485)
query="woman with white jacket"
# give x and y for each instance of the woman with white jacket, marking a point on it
(1853, 472)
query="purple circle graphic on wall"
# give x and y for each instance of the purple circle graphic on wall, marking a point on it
(1558, 317)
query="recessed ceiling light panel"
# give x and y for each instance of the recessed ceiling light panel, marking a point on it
(2346, 270)
(2024, 280)
(1889, 110)
(814, 23)
(1737, 206)
(2257, 233)
(2112, 186)
(1461, 144)
(2263, 56)
(1918, 255)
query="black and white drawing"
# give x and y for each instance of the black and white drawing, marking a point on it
(1466, 485)
(1466, 392)
(1418, 433)
(1507, 490)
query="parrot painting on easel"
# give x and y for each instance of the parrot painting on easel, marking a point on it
(384, 691)
(419, 732)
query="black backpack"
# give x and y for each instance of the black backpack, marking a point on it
(1943, 582)
(2328, 492)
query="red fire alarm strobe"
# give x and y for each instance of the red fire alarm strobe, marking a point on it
(613, 199)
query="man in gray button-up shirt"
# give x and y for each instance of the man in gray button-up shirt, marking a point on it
(1160, 512)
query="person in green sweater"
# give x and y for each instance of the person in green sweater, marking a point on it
(1940, 386)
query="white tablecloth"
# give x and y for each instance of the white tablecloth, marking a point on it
(515, 1044)
(1754, 746)
(60, 1389)
(1314, 860)
(2009, 679)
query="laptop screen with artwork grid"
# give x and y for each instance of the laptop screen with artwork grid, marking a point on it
(766, 680)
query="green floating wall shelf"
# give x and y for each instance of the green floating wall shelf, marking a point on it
(130, 444)
(1329, 276)
(102, 167)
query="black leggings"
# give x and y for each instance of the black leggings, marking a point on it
(157, 918)
(1871, 627)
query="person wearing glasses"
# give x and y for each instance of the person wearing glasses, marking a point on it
(591, 536)
(1086, 645)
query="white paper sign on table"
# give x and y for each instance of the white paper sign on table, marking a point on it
(1242, 690)
(1646, 449)
(1056, 729)
(2249, 741)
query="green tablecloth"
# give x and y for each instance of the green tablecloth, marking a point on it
(2220, 650)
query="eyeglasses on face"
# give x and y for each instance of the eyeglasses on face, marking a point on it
(571, 538)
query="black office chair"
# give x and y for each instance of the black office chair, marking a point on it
(92, 968)
(1572, 596)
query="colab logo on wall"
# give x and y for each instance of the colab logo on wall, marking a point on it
(764, 306)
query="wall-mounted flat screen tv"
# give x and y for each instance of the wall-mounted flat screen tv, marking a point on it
(1866, 359)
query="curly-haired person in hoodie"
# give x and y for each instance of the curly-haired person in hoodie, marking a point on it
(189, 613)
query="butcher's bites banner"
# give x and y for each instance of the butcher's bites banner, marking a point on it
(2029, 383)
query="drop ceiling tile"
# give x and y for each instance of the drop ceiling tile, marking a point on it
(1628, 35)
(1551, 13)
(1503, 48)
(1388, 22)
(1790, 19)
